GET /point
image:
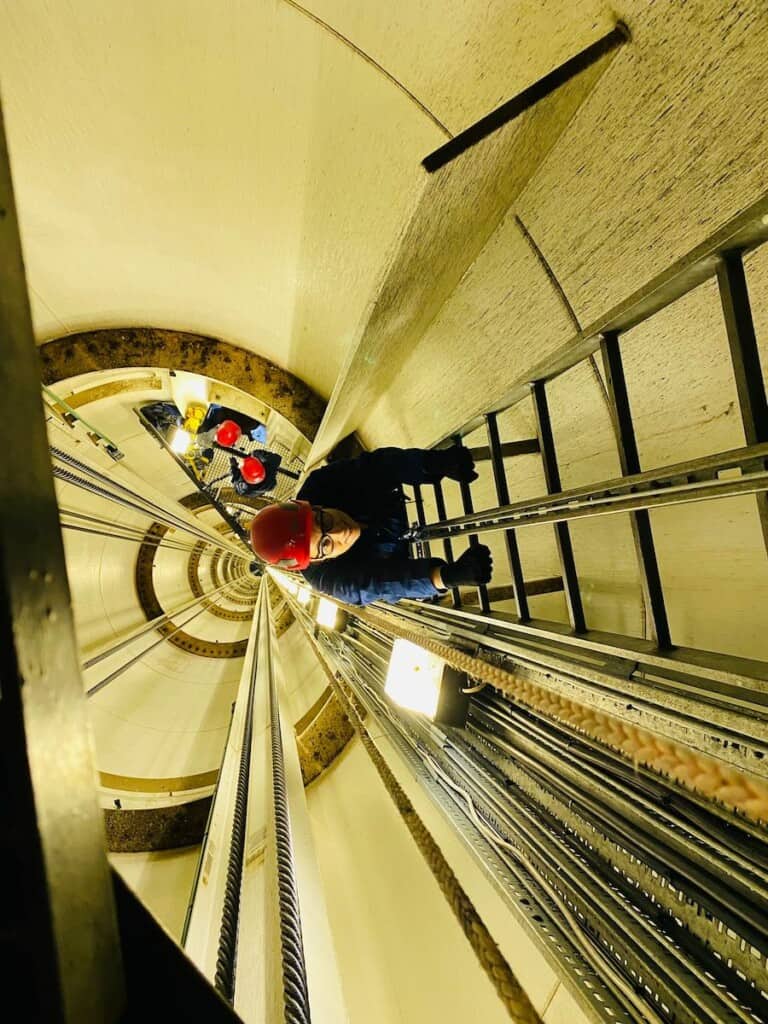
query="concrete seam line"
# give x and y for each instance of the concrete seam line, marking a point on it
(373, 63)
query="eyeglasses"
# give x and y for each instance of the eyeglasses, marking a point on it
(325, 523)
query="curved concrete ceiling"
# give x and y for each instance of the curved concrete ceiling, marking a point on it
(240, 170)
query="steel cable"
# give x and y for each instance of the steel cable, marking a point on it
(297, 1010)
(126, 497)
(224, 978)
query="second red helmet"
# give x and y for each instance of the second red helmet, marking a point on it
(253, 470)
(228, 432)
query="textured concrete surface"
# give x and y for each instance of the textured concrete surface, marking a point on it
(459, 210)
(673, 142)
(660, 154)
(105, 349)
(462, 58)
(156, 828)
(321, 735)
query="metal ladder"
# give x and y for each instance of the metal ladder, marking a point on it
(740, 471)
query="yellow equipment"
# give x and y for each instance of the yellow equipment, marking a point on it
(193, 417)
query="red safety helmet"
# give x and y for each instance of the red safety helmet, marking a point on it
(228, 432)
(280, 534)
(253, 470)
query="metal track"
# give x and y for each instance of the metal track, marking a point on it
(695, 480)
(668, 893)
(295, 992)
(530, 903)
(636, 822)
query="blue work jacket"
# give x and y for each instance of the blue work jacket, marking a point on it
(369, 488)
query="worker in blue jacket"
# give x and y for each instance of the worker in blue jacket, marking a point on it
(345, 529)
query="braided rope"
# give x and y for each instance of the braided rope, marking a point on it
(487, 952)
(729, 786)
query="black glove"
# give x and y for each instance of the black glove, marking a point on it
(455, 462)
(472, 569)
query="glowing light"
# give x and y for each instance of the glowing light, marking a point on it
(414, 677)
(180, 441)
(304, 595)
(327, 613)
(189, 389)
(285, 580)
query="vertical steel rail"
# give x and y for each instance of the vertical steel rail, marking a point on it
(474, 541)
(295, 991)
(224, 978)
(204, 841)
(502, 495)
(418, 498)
(59, 944)
(629, 459)
(745, 359)
(447, 545)
(562, 532)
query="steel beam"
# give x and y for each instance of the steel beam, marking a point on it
(442, 515)
(696, 480)
(508, 450)
(474, 541)
(562, 533)
(59, 943)
(650, 577)
(496, 453)
(418, 499)
(745, 358)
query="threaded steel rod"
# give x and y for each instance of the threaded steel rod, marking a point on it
(296, 994)
(224, 978)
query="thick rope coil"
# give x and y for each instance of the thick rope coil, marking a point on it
(732, 787)
(488, 954)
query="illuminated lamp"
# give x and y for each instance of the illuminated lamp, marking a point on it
(329, 615)
(180, 441)
(304, 595)
(420, 681)
(284, 579)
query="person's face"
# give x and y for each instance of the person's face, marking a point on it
(333, 533)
